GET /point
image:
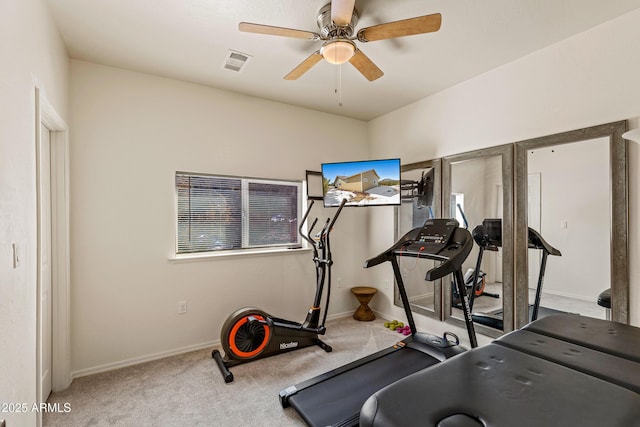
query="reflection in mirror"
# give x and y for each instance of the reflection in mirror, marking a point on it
(572, 189)
(477, 187)
(420, 200)
(568, 203)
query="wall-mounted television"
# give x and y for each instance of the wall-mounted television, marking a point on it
(362, 183)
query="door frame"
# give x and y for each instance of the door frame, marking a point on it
(60, 255)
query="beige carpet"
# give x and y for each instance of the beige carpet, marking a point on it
(188, 390)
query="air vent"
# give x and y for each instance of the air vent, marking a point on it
(235, 60)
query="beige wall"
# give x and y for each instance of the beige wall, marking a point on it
(586, 80)
(32, 56)
(133, 128)
(130, 133)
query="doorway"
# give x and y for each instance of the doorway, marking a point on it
(53, 355)
(45, 325)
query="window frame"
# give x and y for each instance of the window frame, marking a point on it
(246, 247)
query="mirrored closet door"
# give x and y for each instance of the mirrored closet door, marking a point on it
(420, 200)
(478, 192)
(571, 188)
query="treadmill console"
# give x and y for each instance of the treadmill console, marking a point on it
(434, 236)
(438, 239)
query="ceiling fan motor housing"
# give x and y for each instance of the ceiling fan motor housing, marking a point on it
(329, 30)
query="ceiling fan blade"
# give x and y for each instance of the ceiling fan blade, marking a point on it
(248, 27)
(304, 66)
(341, 11)
(366, 66)
(405, 27)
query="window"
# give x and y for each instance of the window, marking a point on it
(457, 209)
(229, 213)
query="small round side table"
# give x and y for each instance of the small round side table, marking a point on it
(364, 294)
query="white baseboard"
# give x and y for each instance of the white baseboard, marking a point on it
(429, 295)
(340, 315)
(142, 359)
(383, 316)
(161, 355)
(568, 295)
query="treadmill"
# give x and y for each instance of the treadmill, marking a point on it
(335, 397)
(488, 236)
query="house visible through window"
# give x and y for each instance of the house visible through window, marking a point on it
(228, 213)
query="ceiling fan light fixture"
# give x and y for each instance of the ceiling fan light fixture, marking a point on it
(338, 51)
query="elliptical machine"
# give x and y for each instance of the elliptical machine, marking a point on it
(249, 333)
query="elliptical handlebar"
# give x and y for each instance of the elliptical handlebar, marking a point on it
(335, 217)
(326, 249)
(324, 232)
(326, 229)
(307, 237)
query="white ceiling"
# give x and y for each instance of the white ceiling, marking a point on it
(189, 40)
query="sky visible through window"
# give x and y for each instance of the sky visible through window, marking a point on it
(386, 169)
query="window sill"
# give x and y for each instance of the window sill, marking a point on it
(208, 256)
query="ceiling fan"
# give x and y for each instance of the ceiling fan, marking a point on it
(336, 22)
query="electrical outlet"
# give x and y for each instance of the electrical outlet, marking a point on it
(387, 284)
(182, 307)
(339, 282)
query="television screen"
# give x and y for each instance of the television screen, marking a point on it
(362, 183)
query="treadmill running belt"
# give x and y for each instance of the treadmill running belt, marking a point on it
(337, 401)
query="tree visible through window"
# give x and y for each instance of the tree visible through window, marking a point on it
(227, 213)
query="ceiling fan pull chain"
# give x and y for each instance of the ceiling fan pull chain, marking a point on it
(338, 89)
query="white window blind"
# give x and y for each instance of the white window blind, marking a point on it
(228, 213)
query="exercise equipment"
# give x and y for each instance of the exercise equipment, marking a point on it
(474, 279)
(250, 333)
(604, 300)
(335, 398)
(477, 290)
(488, 236)
(561, 370)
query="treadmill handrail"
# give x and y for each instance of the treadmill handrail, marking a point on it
(388, 254)
(536, 241)
(449, 266)
(490, 242)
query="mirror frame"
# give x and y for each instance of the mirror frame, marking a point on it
(436, 164)
(618, 193)
(506, 152)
